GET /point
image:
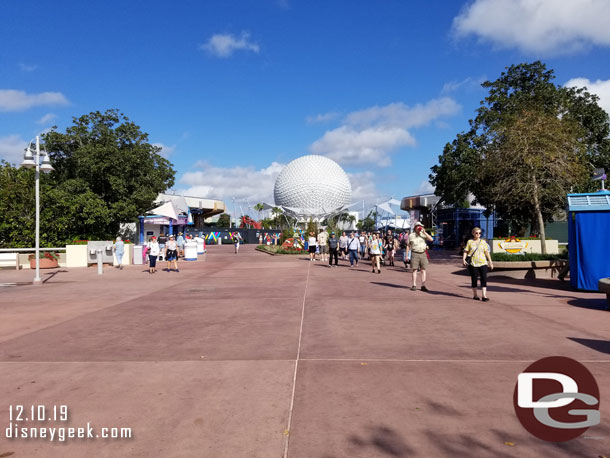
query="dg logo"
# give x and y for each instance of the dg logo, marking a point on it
(557, 399)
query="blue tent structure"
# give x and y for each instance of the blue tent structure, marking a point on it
(589, 238)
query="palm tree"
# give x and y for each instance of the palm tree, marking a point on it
(259, 208)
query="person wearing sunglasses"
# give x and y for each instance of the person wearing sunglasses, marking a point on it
(477, 258)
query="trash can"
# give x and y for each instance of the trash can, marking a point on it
(190, 251)
(199, 244)
(137, 254)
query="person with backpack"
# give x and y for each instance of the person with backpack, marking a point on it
(333, 249)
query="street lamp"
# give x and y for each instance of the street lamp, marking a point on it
(29, 161)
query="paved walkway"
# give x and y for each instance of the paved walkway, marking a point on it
(275, 356)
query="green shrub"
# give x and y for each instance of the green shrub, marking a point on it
(506, 257)
(279, 249)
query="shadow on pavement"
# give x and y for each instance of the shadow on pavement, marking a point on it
(462, 445)
(390, 285)
(50, 275)
(602, 346)
(383, 439)
(593, 303)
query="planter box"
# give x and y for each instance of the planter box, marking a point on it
(528, 246)
(76, 255)
(528, 269)
(45, 263)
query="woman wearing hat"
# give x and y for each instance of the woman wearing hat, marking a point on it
(153, 253)
(171, 253)
(419, 259)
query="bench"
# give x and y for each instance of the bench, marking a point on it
(604, 287)
(9, 260)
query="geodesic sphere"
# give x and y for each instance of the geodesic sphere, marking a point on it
(312, 183)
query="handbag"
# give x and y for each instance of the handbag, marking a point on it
(469, 258)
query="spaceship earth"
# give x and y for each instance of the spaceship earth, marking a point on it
(314, 185)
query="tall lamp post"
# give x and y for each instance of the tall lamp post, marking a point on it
(29, 161)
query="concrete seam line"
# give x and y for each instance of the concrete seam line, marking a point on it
(296, 368)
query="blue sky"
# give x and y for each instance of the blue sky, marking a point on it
(234, 90)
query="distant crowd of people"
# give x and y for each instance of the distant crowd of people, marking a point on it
(381, 249)
(377, 247)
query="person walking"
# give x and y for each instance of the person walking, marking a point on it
(333, 248)
(353, 247)
(153, 253)
(390, 246)
(477, 258)
(312, 243)
(419, 260)
(119, 251)
(362, 240)
(171, 253)
(375, 252)
(180, 244)
(323, 245)
(162, 241)
(236, 241)
(343, 245)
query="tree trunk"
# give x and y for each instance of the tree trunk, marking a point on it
(539, 216)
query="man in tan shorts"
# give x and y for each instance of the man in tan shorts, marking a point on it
(419, 260)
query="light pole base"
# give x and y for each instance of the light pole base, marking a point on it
(37, 282)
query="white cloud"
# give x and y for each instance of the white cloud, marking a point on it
(12, 148)
(370, 135)
(401, 115)
(321, 118)
(46, 118)
(13, 100)
(243, 183)
(166, 150)
(425, 187)
(27, 67)
(468, 82)
(537, 26)
(349, 146)
(225, 44)
(364, 188)
(600, 88)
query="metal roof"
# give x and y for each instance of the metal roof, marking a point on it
(587, 202)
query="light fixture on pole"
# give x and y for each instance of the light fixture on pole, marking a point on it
(29, 161)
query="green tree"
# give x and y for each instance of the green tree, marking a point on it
(108, 156)
(312, 227)
(224, 220)
(524, 90)
(531, 163)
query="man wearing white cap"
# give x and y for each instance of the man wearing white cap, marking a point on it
(419, 260)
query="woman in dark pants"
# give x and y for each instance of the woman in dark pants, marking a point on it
(477, 252)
